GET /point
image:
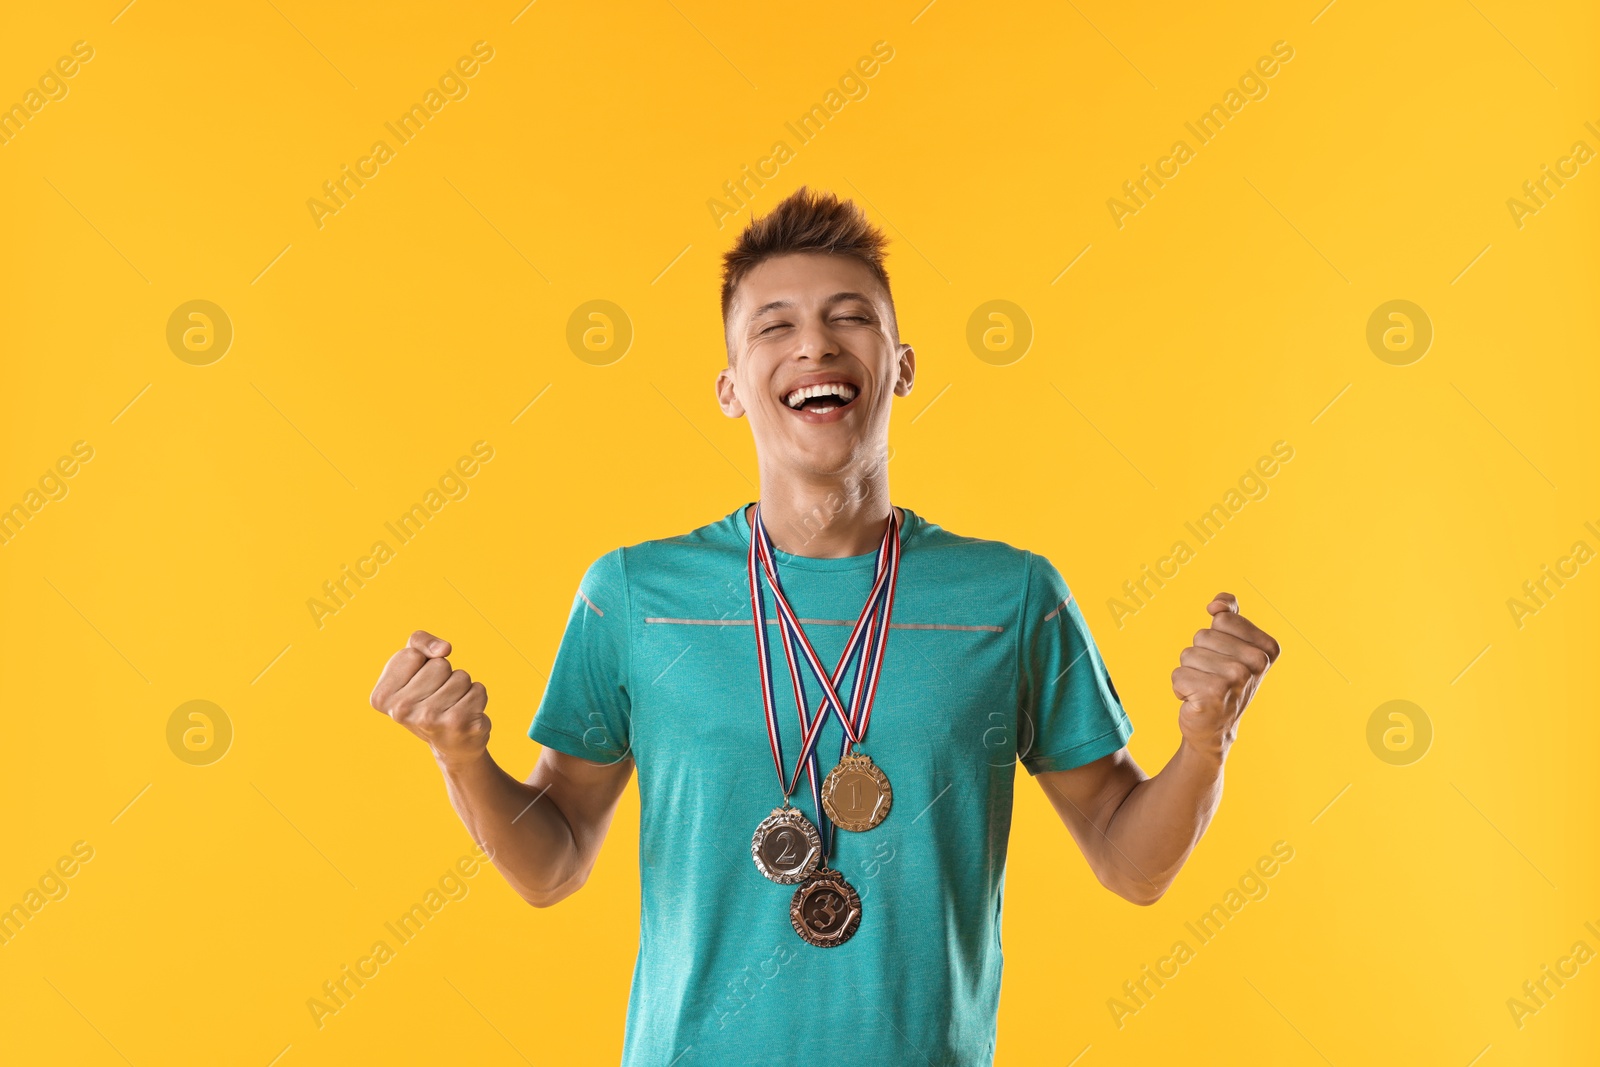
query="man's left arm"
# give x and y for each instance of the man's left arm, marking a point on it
(1136, 831)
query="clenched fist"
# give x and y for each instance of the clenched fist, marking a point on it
(1218, 674)
(419, 690)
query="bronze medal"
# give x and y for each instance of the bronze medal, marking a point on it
(826, 910)
(856, 793)
(786, 846)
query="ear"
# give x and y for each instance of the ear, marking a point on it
(907, 371)
(727, 399)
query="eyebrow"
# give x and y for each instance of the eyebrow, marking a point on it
(834, 299)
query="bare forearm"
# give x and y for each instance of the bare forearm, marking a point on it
(1160, 822)
(526, 836)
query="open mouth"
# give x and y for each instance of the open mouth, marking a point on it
(822, 397)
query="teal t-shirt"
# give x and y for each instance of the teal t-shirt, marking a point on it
(988, 663)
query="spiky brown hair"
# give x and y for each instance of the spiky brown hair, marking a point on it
(805, 221)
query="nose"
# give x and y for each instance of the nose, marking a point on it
(815, 340)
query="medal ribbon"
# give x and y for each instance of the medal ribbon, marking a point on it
(792, 628)
(887, 568)
(792, 635)
(875, 615)
(875, 649)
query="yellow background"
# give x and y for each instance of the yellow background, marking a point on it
(426, 315)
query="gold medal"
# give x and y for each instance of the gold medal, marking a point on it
(826, 910)
(856, 793)
(786, 846)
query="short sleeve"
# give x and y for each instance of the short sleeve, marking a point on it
(1068, 711)
(586, 707)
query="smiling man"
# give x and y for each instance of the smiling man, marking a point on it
(825, 697)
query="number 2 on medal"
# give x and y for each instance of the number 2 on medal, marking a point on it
(787, 857)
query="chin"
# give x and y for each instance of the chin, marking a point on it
(831, 459)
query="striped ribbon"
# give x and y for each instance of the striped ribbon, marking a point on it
(871, 631)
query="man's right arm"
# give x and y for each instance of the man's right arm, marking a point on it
(543, 835)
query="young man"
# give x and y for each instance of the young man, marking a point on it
(868, 930)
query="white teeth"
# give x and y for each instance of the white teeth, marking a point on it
(843, 390)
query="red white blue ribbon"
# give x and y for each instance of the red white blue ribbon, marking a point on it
(871, 631)
(862, 705)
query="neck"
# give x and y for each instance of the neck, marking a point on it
(826, 518)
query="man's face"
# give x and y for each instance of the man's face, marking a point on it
(805, 324)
